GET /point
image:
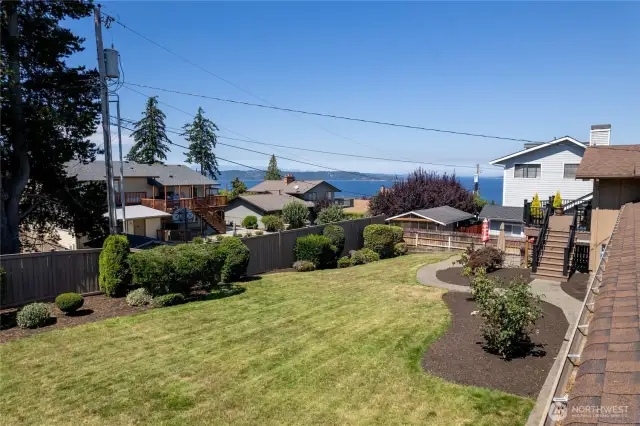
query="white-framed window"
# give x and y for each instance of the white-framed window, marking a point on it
(570, 171)
(526, 171)
(516, 230)
(328, 195)
(311, 196)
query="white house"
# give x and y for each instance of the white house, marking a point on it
(546, 168)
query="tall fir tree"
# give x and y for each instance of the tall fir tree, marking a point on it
(273, 172)
(150, 138)
(202, 141)
(49, 110)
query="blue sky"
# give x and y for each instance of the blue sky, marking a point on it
(524, 70)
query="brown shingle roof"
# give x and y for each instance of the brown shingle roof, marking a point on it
(295, 187)
(609, 373)
(618, 161)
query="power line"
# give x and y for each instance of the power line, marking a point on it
(338, 117)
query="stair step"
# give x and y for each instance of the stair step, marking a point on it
(550, 269)
(554, 254)
(550, 277)
(551, 262)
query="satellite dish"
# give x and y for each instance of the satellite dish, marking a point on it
(296, 187)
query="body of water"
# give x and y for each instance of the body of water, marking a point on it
(490, 187)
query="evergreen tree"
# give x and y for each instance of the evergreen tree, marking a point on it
(202, 140)
(150, 136)
(273, 172)
(49, 110)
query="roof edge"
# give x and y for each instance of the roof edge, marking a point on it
(535, 148)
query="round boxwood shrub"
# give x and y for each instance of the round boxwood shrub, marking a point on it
(167, 300)
(139, 297)
(69, 302)
(114, 268)
(381, 239)
(400, 249)
(370, 255)
(250, 222)
(317, 249)
(304, 266)
(236, 259)
(272, 223)
(335, 234)
(344, 262)
(33, 315)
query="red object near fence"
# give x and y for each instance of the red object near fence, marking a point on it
(473, 229)
(485, 231)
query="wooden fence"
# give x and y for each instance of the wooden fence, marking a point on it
(275, 251)
(42, 276)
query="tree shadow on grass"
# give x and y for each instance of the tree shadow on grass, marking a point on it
(223, 292)
(250, 279)
(80, 313)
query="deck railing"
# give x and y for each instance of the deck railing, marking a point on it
(189, 203)
(130, 198)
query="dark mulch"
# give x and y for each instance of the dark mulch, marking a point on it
(458, 356)
(454, 275)
(95, 308)
(576, 287)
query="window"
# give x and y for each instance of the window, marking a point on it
(516, 230)
(311, 196)
(328, 195)
(570, 171)
(527, 171)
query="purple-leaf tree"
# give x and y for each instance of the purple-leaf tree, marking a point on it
(422, 190)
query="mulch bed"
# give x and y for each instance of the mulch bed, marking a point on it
(95, 308)
(454, 275)
(458, 356)
(576, 287)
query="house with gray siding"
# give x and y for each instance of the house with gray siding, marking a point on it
(258, 205)
(509, 216)
(543, 168)
(307, 190)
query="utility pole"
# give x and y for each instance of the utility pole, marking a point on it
(122, 200)
(104, 95)
(476, 178)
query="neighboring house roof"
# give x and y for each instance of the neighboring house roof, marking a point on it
(443, 215)
(609, 372)
(498, 161)
(163, 174)
(271, 202)
(138, 211)
(502, 213)
(295, 187)
(618, 161)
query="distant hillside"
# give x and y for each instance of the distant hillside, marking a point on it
(257, 175)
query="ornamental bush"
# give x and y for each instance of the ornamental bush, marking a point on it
(353, 215)
(197, 240)
(398, 234)
(489, 258)
(33, 315)
(236, 259)
(114, 268)
(335, 234)
(259, 232)
(250, 222)
(153, 270)
(272, 223)
(557, 201)
(317, 249)
(344, 262)
(400, 249)
(509, 316)
(170, 299)
(304, 266)
(295, 214)
(369, 255)
(69, 302)
(330, 214)
(139, 297)
(381, 239)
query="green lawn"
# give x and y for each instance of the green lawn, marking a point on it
(325, 347)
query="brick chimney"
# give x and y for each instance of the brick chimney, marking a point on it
(600, 135)
(288, 179)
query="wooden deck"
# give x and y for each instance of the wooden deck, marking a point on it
(208, 202)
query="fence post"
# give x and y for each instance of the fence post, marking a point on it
(416, 243)
(449, 243)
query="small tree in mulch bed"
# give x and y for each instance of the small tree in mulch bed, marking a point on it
(489, 258)
(509, 315)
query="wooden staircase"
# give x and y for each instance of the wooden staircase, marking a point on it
(212, 217)
(551, 264)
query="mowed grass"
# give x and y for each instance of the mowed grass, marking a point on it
(325, 347)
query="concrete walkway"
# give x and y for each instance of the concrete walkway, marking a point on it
(550, 291)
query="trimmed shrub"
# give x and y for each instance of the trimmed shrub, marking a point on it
(400, 249)
(330, 214)
(295, 214)
(317, 249)
(250, 222)
(236, 259)
(358, 258)
(353, 215)
(170, 299)
(490, 258)
(381, 239)
(482, 287)
(344, 262)
(114, 268)
(370, 255)
(259, 232)
(398, 234)
(335, 234)
(557, 201)
(197, 240)
(509, 316)
(272, 223)
(304, 266)
(69, 302)
(33, 315)
(219, 237)
(139, 297)
(153, 269)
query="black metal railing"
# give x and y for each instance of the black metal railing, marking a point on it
(534, 216)
(583, 212)
(569, 247)
(542, 236)
(571, 205)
